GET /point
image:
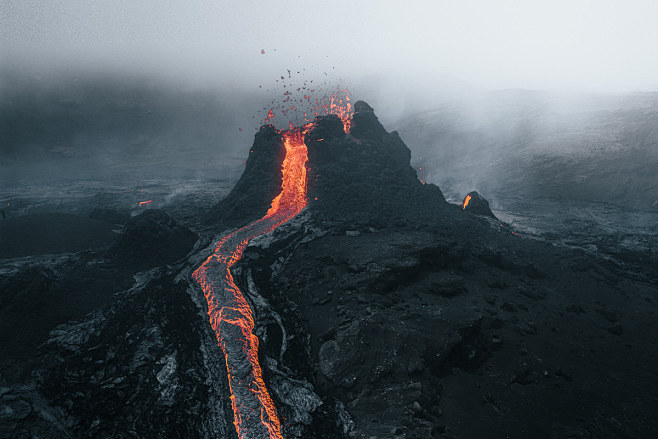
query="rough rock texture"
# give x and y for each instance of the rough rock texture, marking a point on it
(139, 368)
(152, 238)
(259, 184)
(382, 312)
(35, 299)
(421, 335)
(365, 176)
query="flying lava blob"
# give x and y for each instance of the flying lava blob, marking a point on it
(299, 100)
(230, 315)
(330, 102)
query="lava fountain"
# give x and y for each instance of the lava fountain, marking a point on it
(229, 312)
(466, 201)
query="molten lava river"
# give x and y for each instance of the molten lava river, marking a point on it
(230, 314)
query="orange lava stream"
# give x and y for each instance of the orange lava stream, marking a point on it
(466, 201)
(229, 312)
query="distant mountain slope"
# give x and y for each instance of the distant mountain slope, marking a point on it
(533, 144)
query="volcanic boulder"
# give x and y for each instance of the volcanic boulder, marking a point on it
(477, 205)
(152, 238)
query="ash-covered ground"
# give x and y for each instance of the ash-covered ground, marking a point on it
(383, 309)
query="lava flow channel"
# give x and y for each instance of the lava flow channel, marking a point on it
(230, 314)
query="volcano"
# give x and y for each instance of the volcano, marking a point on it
(362, 175)
(367, 149)
(331, 294)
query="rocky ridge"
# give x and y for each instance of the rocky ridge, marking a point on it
(382, 311)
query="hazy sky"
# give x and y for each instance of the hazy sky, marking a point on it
(598, 45)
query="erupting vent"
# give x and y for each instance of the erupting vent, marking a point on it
(230, 314)
(466, 201)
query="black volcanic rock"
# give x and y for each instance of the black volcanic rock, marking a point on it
(365, 176)
(478, 205)
(152, 238)
(365, 124)
(327, 128)
(146, 364)
(259, 184)
(436, 325)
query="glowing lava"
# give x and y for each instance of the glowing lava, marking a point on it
(230, 315)
(300, 106)
(466, 201)
(342, 108)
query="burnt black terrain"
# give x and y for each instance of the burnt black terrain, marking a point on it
(383, 311)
